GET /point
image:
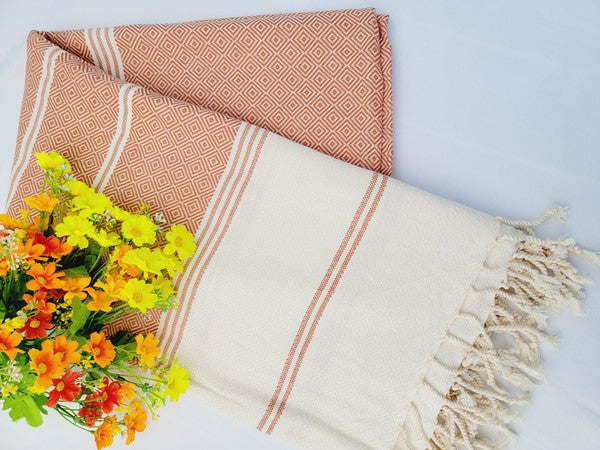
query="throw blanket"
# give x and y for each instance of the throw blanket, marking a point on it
(326, 304)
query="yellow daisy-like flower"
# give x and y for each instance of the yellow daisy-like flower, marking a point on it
(90, 202)
(140, 258)
(139, 295)
(76, 228)
(151, 261)
(180, 241)
(177, 382)
(119, 214)
(76, 187)
(140, 229)
(14, 323)
(42, 202)
(105, 239)
(164, 285)
(147, 349)
(9, 390)
(53, 162)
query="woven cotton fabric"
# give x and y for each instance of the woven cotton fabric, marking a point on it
(327, 304)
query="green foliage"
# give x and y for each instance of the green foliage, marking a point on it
(76, 272)
(80, 316)
(25, 406)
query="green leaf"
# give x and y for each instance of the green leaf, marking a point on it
(80, 316)
(76, 272)
(40, 401)
(24, 406)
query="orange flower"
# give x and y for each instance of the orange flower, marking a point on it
(126, 391)
(75, 287)
(4, 267)
(135, 421)
(104, 435)
(46, 364)
(9, 222)
(66, 350)
(109, 397)
(37, 326)
(101, 301)
(65, 388)
(101, 349)
(44, 277)
(147, 348)
(9, 342)
(111, 286)
(53, 246)
(129, 269)
(39, 301)
(42, 202)
(30, 250)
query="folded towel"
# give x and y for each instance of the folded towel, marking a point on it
(321, 79)
(326, 304)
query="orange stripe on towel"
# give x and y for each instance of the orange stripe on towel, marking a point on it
(333, 267)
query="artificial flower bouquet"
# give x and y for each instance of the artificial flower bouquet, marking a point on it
(72, 263)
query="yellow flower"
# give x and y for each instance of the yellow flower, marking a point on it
(9, 390)
(139, 295)
(147, 349)
(53, 162)
(177, 382)
(76, 228)
(90, 202)
(181, 241)
(139, 229)
(150, 261)
(76, 187)
(139, 257)
(42, 202)
(105, 239)
(14, 323)
(164, 285)
(119, 214)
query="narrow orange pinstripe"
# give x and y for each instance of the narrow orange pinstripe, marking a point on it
(241, 142)
(323, 305)
(317, 295)
(220, 238)
(196, 260)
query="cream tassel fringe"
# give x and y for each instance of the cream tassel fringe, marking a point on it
(540, 278)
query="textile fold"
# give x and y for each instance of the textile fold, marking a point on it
(326, 304)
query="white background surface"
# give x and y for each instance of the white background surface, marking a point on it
(496, 105)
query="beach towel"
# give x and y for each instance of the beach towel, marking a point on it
(326, 304)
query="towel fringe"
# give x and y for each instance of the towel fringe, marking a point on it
(539, 278)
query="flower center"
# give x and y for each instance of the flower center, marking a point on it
(136, 232)
(96, 351)
(41, 280)
(34, 323)
(137, 297)
(60, 387)
(178, 241)
(42, 368)
(61, 354)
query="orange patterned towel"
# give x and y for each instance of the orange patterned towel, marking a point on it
(327, 304)
(321, 79)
